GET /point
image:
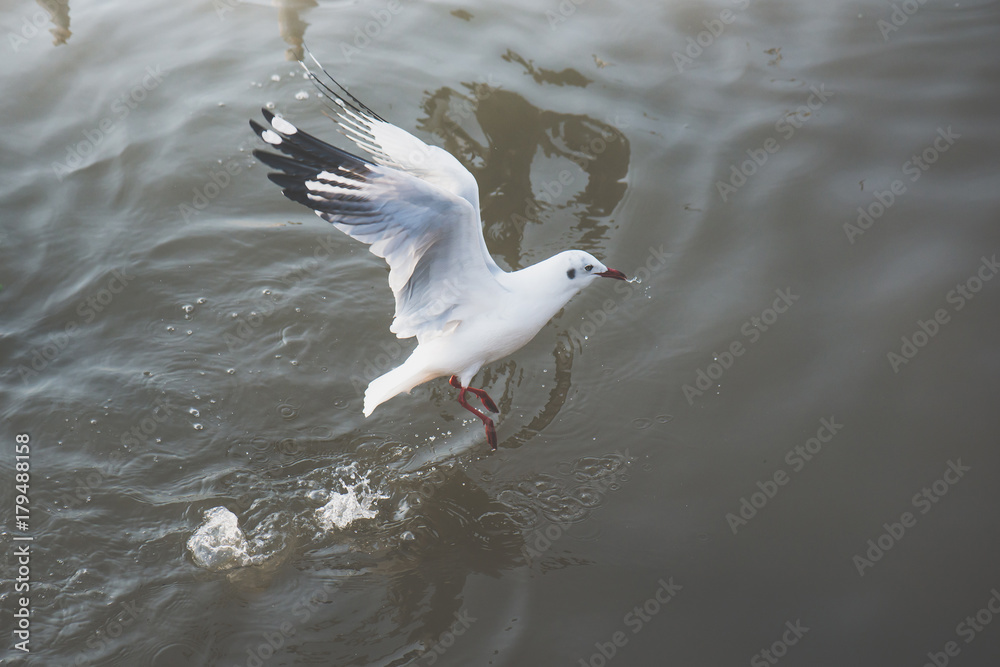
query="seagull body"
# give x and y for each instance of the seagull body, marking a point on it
(417, 207)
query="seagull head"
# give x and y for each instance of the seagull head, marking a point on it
(582, 267)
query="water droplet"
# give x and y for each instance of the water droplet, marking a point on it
(275, 77)
(199, 427)
(267, 291)
(187, 308)
(171, 329)
(194, 412)
(189, 332)
(407, 536)
(94, 422)
(231, 371)
(202, 300)
(295, 363)
(302, 95)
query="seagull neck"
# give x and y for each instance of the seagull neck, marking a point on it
(545, 281)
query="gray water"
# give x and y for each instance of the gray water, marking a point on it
(779, 447)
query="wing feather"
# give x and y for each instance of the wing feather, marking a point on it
(394, 147)
(430, 236)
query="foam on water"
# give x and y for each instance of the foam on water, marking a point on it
(356, 502)
(219, 544)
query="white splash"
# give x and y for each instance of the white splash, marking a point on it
(219, 544)
(357, 501)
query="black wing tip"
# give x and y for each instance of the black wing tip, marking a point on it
(352, 101)
(262, 155)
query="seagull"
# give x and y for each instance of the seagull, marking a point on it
(417, 207)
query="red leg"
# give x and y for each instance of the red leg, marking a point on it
(484, 398)
(491, 431)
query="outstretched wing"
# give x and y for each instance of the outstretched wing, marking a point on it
(390, 145)
(430, 237)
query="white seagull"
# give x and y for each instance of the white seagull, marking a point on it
(417, 207)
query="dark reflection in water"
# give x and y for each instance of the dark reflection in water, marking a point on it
(291, 26)
(592, 160)
(566, 77)
(59, 15)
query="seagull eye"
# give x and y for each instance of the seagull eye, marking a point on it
(588, 267)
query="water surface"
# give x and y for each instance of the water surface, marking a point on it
(783, 439)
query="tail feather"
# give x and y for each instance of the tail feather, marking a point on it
(396, 381)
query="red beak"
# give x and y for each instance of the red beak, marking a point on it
(613, 273)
